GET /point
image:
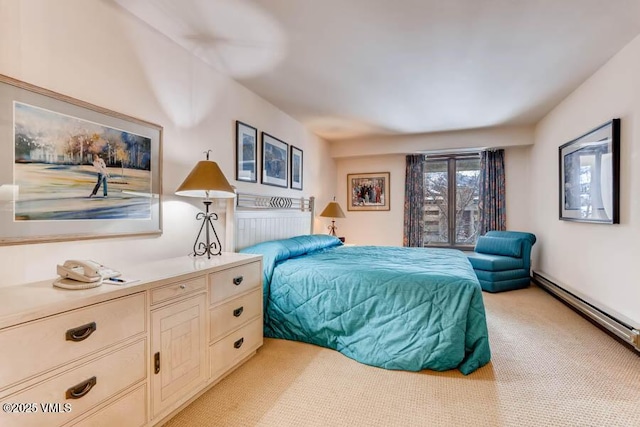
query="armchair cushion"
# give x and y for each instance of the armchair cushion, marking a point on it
(499, 276)
(494, 262)
(504, 246)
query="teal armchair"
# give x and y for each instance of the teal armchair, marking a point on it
(502, 260)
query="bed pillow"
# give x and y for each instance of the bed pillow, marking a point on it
(280, 250)
(275, 249)
(499, 246)
(301, 245)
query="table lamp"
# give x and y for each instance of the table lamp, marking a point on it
(332, 211)
(207, 181)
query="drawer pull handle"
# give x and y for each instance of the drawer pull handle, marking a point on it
(156, 363)
(238, 343)
(237, 280)
(81, 332)
(183, 286)
(238, 312)
(81, 390)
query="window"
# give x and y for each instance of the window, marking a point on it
(451, 185)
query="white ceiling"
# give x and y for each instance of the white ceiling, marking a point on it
(348, 68)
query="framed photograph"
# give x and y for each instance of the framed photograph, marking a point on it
(70, 170)
(368, 191)
(590, 176)
(275, 154)
(296, 168)
(246, 152)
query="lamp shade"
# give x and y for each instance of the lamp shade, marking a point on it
(206, 180)
(333, 210)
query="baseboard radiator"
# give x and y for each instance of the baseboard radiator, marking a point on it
(619, 328)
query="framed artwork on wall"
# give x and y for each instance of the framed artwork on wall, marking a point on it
(246, 152)
(71, 170)
(274, 161)
(368, 191)
(589, 179)
(296, 168)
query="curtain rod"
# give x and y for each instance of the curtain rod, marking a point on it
(443, 151)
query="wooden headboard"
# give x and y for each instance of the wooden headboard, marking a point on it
(257, 218)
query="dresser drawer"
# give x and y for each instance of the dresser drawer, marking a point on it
(128, 411)
(233, 314)
(37, 346)
(233, 281)
(178, 289)
(92, 383)
(234, 347)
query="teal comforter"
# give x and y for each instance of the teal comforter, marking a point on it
(391, 307)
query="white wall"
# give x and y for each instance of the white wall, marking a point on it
(94, 51)
(386, 227)
(599, 262)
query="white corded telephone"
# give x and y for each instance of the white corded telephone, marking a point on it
(83, 274)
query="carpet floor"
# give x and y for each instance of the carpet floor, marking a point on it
(549, 367)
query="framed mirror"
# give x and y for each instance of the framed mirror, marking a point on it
(590, 176)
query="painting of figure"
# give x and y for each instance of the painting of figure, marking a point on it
(368, 191)
(67, 168)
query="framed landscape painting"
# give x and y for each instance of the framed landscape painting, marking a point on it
(71, 170)
(296, 168)
(274, 161)
(246, 152)
(368, 191)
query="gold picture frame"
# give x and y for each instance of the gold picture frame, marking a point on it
(368, 191)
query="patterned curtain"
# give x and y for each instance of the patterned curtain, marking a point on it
(414, 201)
(492, 206)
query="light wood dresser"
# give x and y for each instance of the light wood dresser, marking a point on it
(130, 355)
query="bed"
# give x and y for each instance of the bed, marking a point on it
(395, 308)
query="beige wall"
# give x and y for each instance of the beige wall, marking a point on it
(94, 51)
(379, 227)
(386, 228)
(438, 141)
(596, 261)
(518, 188)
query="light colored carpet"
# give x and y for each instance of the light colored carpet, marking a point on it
(549, 367)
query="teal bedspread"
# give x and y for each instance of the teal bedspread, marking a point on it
(391, 307)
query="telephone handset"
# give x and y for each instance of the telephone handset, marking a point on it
(83, 274)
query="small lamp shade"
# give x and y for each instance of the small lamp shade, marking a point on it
(333, 210)
(206, 180)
